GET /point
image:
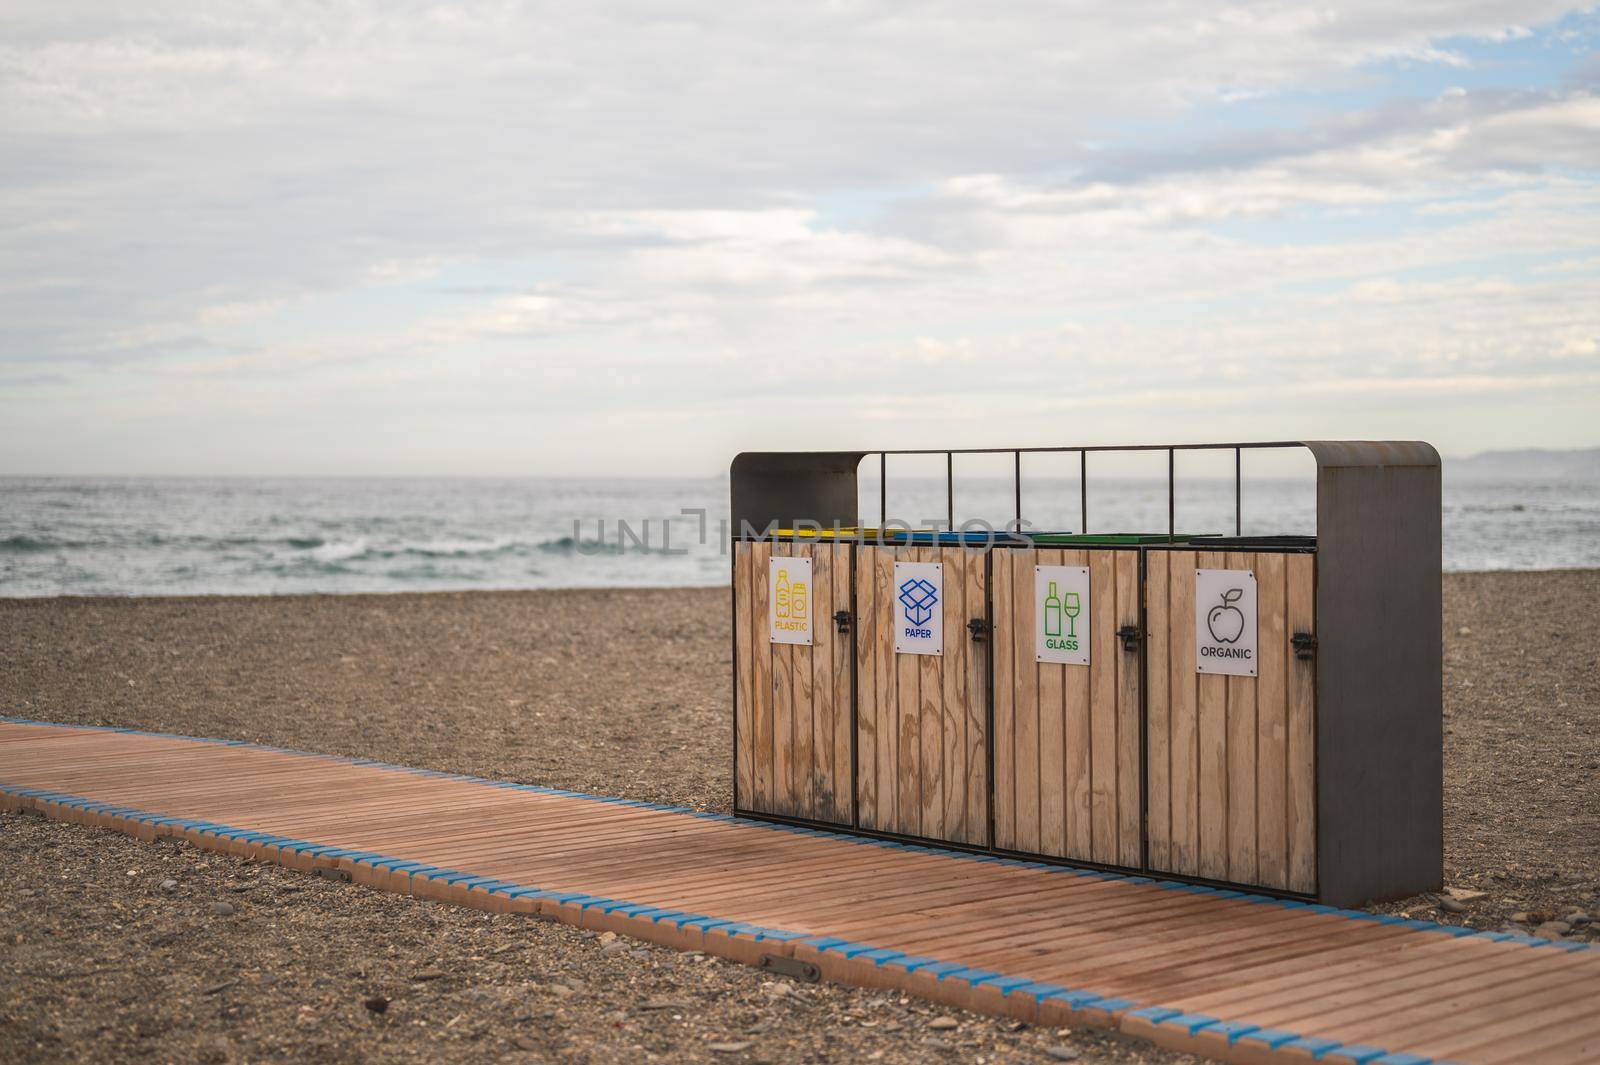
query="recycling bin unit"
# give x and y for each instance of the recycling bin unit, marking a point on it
(1255, 711)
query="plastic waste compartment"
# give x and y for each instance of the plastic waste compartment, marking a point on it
(793, 686)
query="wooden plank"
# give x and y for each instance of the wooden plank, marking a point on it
(843, 703)
(977, 706)
(1129, 797)
(930, 716)
(864, 628)
(1183, 716)
(819, 767)
(762, 681)
(1300, 757)
(908, 669)
(1052, 729)
(1242, 763)
(953, 709)
(802, 705)
(1158, 675)
(1212, 712)
(746, 629)
(1105, 659)
(1025, 680)
(1272, 840)
(888, 696)
(783, 793)
(1078, 735)
(1006, 640)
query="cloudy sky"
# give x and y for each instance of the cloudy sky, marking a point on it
(332, 237)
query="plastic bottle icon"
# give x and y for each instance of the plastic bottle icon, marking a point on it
(780, 594)
(1052, 612)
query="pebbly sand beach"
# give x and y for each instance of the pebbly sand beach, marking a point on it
(114, 950)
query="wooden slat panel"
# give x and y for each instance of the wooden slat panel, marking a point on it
(1272, 840)
(1078, 735)
(1052, 724)
(930, 715)
(1242, 764)
(1105, 654)
(888, 695)
(865, 625)
(843, 702)
(1212, 703)
(819, 767)
(908, 668)
(1158, 737)
(1025, 720)
(1301, 725)
(1183, 716)
(763, 680)
(1130, 801)
(1006, 641)
(745, 630)
(783, 792)
(977, 707)
(802, 703)
(952, 703)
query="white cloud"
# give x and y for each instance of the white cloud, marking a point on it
(620, 210)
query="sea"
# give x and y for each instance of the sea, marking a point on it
(124, 536)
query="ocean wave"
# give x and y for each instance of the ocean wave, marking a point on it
(568, 545)
(361, 549)
(21, 544)
(339, 550)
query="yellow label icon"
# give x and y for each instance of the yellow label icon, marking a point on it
(789, 600)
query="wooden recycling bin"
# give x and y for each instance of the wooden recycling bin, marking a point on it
(795, 717)
(1255, 711)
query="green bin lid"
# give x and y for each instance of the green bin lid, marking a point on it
(1107, 538)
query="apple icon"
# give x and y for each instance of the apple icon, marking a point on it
(1226, 621)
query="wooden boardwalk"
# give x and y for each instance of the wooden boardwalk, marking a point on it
(1238, 977)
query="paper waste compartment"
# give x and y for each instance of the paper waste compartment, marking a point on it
(792, 679)
(922, 670)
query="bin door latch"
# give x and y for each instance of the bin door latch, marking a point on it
(841, 618)
(1129, 635)
(1305, 645)
(979, 629)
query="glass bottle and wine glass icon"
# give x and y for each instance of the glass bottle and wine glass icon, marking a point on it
(1055, 606)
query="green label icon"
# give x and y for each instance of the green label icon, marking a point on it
(1062, 597)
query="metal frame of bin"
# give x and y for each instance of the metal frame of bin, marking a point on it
(1377, 650)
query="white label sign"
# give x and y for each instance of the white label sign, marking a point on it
(919, 608)
(1225, 622)
(1061, 614)
(789, 600)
